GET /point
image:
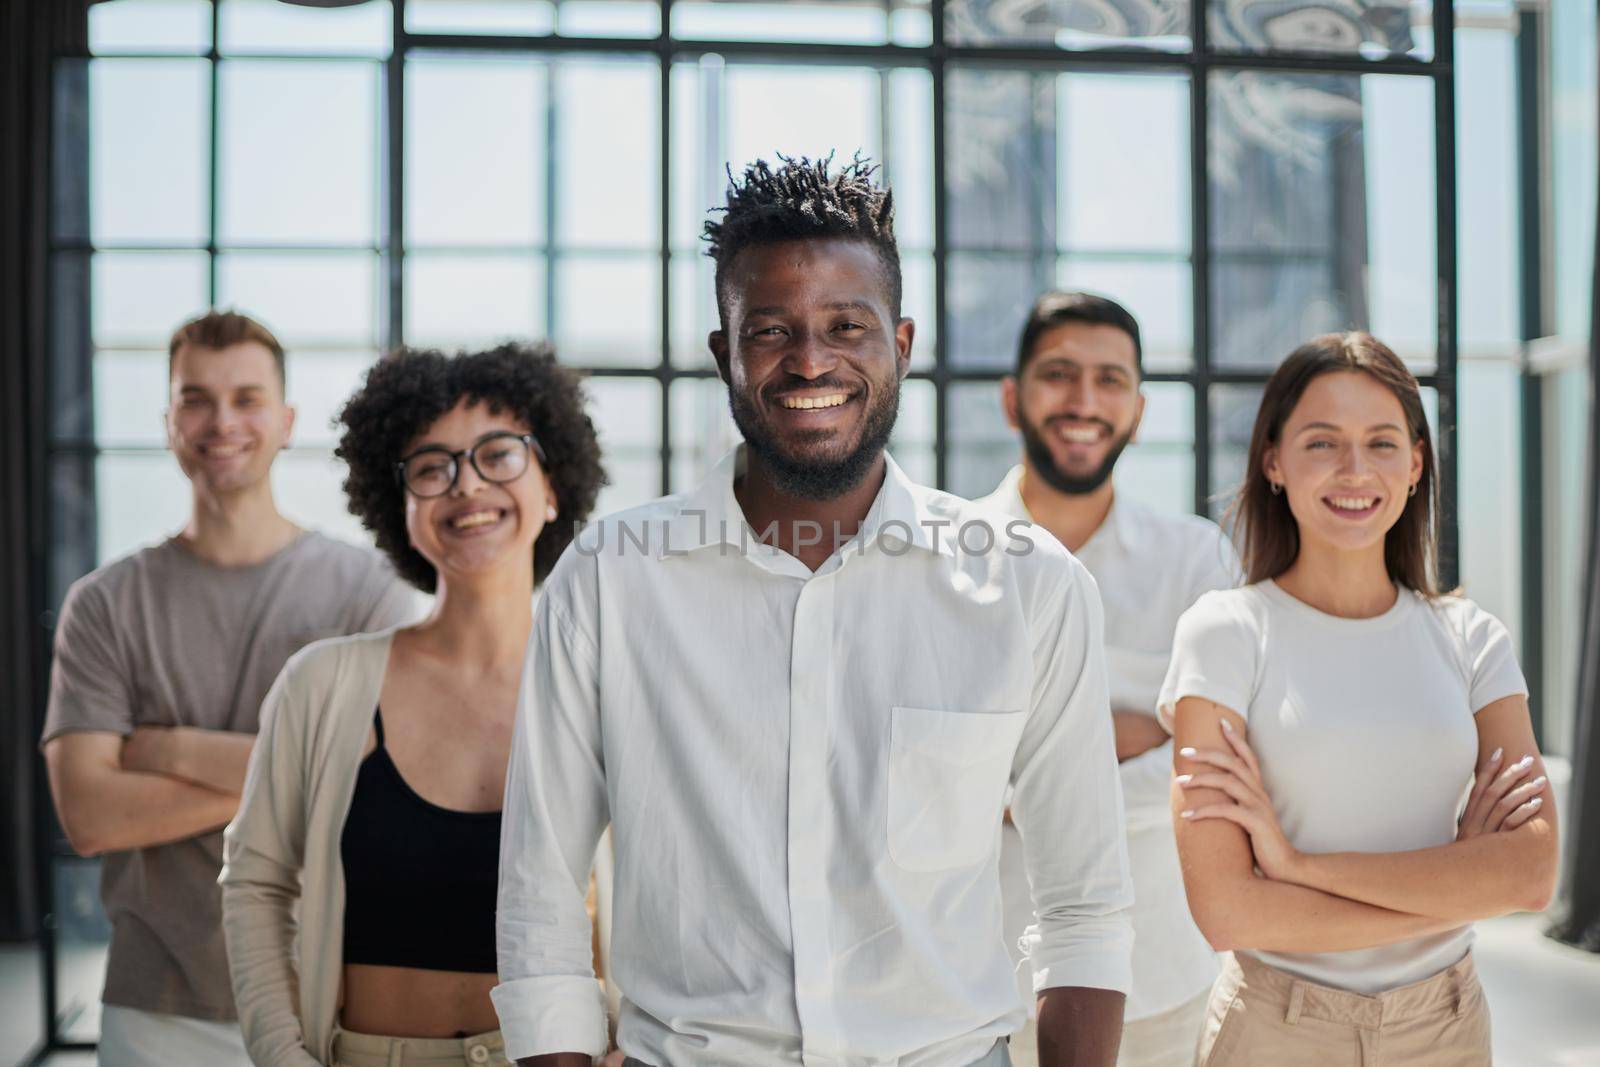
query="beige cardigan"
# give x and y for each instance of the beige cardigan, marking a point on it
(281, 852)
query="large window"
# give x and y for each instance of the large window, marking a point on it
(454, 172)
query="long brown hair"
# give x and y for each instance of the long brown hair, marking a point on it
(1263, 526)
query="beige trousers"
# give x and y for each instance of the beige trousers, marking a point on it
(371, 1050)
(1259, 1015)
(1165, 1039)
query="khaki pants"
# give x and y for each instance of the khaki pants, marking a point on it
(996, 1057)
(371, 1050)
(1162, 1040)
(1259, 1016)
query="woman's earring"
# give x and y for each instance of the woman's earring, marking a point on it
(1413, 490)
(1276, 488)
(550, 513)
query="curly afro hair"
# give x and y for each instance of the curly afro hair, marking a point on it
(407, 390)
(801, 200)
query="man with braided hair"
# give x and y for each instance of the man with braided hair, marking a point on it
(801, 695)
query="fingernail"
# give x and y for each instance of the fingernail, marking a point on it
(1525, 761)
(1227, 726)
(1185, 751)
(1535, 802)
(1495, 754)
(1186, 814)
(1538, 782)
(1184, 779)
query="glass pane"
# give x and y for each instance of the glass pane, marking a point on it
(1373, 29)
(328, 298)
(276, 28)
(82, 937)
(130, 399)
(904, 22)
(732, 115)
(1076, 162)
(1322, 213)
(299, 152)
(1158, 294)
(134, 26)
(1157, 469)
(308, 486)
(908, 156)
(23, 969)
(1488, 251)
(987, 296)
(694, 308)
(1233, 416)
(455, 301)
(149, 151)
(606, 310)
(1122, 162)
(139, 298)
(1489, 500)
(475, 146)
(800, 111)
(1077, 24)
(524, 17)
(981, 445)
(627, 416)
(1573, 163)
(320, 383)
(912, 444)
(917, 303)
(702, 430)
(608, 18)
(140, 498)
(608, 118)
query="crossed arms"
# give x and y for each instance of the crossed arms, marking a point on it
(156, 785)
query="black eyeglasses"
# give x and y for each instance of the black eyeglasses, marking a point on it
(497, 457)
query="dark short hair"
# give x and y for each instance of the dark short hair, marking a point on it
(223, 329)
(801, 201)
(1265, 529)
(1058, 306)
(407, 390)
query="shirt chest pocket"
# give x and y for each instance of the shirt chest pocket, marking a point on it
(948, 772)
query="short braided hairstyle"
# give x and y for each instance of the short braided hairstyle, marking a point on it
(407, 390)
(798, 201)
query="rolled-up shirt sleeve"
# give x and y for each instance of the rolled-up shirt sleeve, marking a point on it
(1068, 797)
(548, 999)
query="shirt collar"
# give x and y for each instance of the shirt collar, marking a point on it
(903, 512)
(1119, 529)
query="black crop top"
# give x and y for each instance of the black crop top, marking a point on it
(419, 879)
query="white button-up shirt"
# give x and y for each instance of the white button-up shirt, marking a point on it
(1150, 567)
(805, 775)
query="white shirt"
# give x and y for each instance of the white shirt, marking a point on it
(1150, 567)
(1364, 731)
(805, 775)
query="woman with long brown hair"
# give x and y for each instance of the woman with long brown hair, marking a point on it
(1332, 717)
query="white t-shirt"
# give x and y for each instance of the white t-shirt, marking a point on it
(1150, 567)
(1364, 732)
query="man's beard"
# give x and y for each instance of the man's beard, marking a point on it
(816, 478)
(1044, 462)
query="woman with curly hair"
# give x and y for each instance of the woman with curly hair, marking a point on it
(359, 876)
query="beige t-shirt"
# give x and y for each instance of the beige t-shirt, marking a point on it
(164, 637)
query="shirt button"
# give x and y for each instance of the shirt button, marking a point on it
(478, 1054)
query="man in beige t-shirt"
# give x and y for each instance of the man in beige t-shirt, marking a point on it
(162, 659)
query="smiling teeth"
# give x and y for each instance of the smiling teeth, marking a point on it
(806, 403)
(1353, 503)
(1081, 437)
(477, 518)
